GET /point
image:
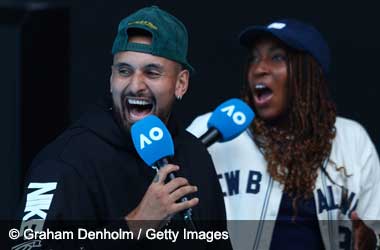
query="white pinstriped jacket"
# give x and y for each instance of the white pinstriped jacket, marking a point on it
(252, 198)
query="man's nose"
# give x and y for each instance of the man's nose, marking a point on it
(137, 83)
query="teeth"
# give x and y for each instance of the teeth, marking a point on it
(138, 102)
(260, 86)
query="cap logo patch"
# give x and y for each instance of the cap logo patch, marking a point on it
(276, 26)
(145, 23)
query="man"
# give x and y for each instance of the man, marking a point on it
(91, 175)
(301, 177)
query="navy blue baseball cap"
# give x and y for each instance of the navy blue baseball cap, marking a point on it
(295, 34)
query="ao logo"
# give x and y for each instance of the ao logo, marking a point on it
(238, 117)
(155, 134)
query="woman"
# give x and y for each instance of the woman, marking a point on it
(300, 171)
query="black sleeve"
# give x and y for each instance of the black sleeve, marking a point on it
(212, 214)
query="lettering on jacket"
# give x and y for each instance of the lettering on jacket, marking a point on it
(232, 179)
(37, 203)
(329, 201)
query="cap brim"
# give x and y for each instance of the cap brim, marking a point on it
(247, 36)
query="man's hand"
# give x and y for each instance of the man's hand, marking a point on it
(159, 202)
(364, 237)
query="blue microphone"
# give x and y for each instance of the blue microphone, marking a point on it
(152, 140)
(227, 121)
(154, 144)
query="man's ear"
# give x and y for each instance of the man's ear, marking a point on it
(182, 83)
(111, 76)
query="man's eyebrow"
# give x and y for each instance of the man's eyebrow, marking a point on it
(123, 64)
(156, 66)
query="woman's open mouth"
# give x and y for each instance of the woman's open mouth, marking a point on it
(262, 94)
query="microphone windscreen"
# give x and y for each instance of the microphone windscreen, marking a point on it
(152, 139)
(231, 118)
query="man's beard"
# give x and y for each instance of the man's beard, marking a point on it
(121, 112)
(118, 115)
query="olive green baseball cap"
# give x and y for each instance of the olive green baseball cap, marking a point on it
(169, 35)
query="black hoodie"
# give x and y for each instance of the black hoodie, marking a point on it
(91, 176)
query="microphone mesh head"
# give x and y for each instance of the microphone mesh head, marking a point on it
(152, 139)
(231, 118)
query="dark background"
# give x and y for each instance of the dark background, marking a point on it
(55, 61)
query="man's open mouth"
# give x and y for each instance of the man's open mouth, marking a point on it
(262, 93)
(138, 107)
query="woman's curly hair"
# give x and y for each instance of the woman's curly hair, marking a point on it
(295, 154)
